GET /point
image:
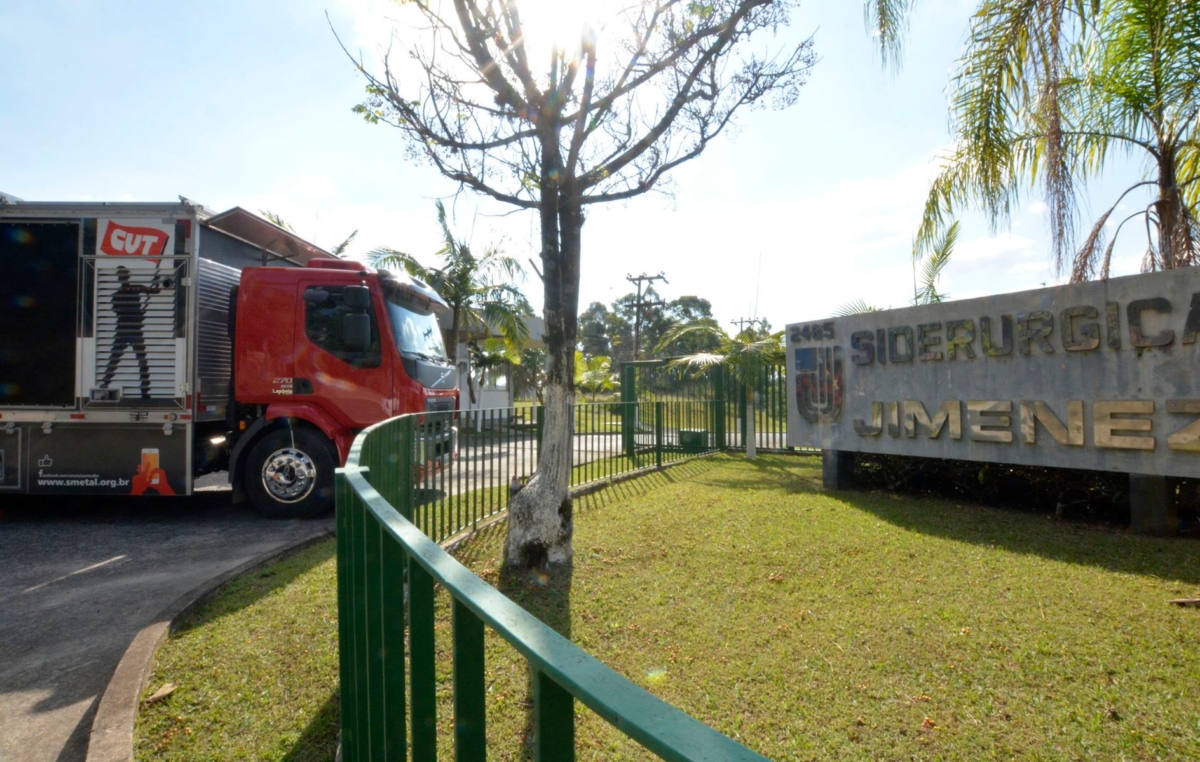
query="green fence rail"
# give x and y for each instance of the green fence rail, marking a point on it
(391, 515)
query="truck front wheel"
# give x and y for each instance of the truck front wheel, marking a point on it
(289, 474)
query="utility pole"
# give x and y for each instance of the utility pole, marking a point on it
(741, 323)
(639, 304)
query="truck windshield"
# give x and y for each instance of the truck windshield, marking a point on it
(415, 327)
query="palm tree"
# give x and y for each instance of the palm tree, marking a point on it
(1048, 89)
(746, 355)
(593, 374)
(479, 290)
(489, 356)
(530, 375)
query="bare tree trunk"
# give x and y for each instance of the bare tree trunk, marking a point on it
(540, 521)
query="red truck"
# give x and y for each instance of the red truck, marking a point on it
(145, 345)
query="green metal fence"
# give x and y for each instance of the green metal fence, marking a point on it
(497, 452)
(722, 397)
(391, 516)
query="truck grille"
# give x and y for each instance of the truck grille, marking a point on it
(439, 405)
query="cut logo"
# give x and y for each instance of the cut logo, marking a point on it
(127, 241)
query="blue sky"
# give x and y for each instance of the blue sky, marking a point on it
(248, 104)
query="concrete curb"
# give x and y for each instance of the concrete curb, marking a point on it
(111, 739)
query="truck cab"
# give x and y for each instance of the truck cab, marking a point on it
(319, 354)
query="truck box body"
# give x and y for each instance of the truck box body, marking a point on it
(116, 357)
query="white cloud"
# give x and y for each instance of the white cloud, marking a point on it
(996, 248)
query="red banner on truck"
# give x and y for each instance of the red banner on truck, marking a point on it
(118, 239)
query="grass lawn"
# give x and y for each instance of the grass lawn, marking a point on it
(806, 625)
(255, 671)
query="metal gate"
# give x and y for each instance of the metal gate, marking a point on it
(702, 412)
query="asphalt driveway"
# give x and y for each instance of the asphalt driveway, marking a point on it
(79, 578)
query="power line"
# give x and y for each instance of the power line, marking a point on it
(741, 323)
(640, 303)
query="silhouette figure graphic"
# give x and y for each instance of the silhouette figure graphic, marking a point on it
(129, 304)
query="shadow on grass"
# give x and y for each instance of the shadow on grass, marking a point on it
(644, 483)
(1106, 547)
(794, 473)
(784, 467)
(319, 741)
(257, 584)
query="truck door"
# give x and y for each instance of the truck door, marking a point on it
(38, 313)
(354, 383)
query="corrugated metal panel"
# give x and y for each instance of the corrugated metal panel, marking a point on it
(214, 348)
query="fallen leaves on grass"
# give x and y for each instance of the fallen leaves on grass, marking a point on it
(166, 690)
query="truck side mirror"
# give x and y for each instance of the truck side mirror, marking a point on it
(356, 297)
(356, 332)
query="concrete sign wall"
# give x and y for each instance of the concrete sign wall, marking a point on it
(1102, 375)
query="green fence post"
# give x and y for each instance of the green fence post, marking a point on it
(658, 434)
(718, 376)
(395, 733)
(372, 594)
(740, 405)
(470, 739)
(405, 476)
(554, 721)
(629, 396)
(422, 667)
(347, 505)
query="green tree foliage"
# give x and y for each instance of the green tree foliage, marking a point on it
(628, 330)
(594, 336)
(610, 332)
(489, 356)
(529, 377)
(479, 289)
(594, 374)
(1048, 90)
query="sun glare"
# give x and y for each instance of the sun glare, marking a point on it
(557, 25)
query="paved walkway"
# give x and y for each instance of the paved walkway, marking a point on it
(80, 578)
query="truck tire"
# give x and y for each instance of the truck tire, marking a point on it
(288, 474)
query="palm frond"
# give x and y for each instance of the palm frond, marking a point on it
(340, 249)
(393, 259)
(939, 255)
(697, 363)
(856, 307)
(698, 328)
(887, 21)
